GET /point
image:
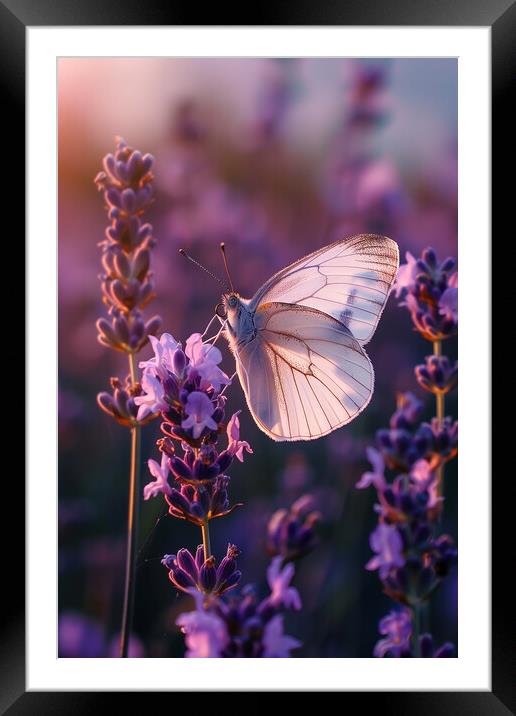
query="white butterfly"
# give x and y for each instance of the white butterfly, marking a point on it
(298, 343)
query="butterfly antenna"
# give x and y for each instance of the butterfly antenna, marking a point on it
(187, 256)
(223, 252)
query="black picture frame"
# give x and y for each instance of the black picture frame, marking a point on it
(500, 15)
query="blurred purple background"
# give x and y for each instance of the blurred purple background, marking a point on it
(276, 158)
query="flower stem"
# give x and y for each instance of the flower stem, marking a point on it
(132, 528)
(206, 539)
(439, 409)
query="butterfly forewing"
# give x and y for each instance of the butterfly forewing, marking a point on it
(304, 374)
(349, 280)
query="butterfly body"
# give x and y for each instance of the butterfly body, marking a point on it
(298, 343)
(240, 325)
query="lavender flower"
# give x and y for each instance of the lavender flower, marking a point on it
(153, 398)
(121, 403)
(185, 388)
(127, 287)
(397, 628)
(409, 410)
(411, 557)
(429, 290)
(292, 533)
(437, 375)
(377, 476)
(406, 277)
(444, 434)
(199, 410)
(160, 473)
(406, 441)
(387, 543)
(279, 578)
(236, 446)
(205, 632)
(241, 625)
(202, 502)
(189, 573)
(126, 281)
(407, 551)
(448, 303)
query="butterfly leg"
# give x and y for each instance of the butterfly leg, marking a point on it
(209, 326)
(228, 384)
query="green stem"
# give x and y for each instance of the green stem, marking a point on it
(132, 528)
(132, 367)
(206, 539)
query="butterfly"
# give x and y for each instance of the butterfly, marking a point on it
(299, 341)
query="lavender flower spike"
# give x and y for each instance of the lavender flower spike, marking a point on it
(160, 473)
(127, 285)
(279, 579)
(292, 533)
(387, 544)
(206, 633)
(397, 628)
(187, 572)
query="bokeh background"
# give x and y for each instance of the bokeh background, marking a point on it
(276, 158)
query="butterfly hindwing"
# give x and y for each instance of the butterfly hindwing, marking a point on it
(349, 280)
(304, 374)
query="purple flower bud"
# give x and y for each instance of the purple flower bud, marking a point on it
(179, 363)
(187, 563)
(113, 197)
(128, 200)
(208, 575)
(168, 560)
(199, 556)
(448, 265)
(180, 469)
(106, 402)
(121, 328)
(122, 265)
(147, 162)
(137, 329)
(179, 502)
(181, 579)
(224, 461)
(106, 333)
(197, 510)
(141, 263)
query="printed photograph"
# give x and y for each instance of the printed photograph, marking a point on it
(258, 319)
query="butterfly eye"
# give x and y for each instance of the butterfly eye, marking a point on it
(220, 310)
(232, 302)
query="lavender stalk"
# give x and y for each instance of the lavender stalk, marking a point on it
(187, 388)
(411, 556)
(127, 287)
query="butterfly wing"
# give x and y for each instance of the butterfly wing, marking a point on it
(304, 374)
(349, 280)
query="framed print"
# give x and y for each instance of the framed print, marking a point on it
(243, 255)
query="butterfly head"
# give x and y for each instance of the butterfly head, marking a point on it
(234, 311)
(229, 307)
